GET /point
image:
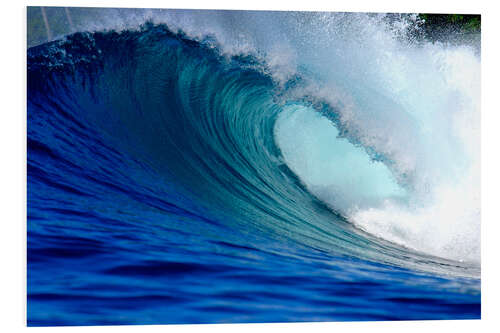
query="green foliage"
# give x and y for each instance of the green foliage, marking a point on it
(464, 22)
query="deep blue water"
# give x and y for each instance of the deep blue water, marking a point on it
(157, 195)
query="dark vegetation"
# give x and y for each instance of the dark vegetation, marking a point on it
(440, 27)
(467, 23)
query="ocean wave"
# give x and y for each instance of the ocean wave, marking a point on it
(306, 143)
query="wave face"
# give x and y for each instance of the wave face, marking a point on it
(196, 167)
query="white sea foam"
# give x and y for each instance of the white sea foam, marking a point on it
(417, 105)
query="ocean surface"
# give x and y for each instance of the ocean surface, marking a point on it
(235, 167)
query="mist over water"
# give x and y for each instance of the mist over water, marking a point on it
(414, 107)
